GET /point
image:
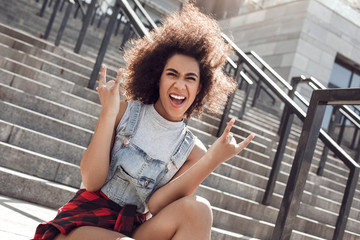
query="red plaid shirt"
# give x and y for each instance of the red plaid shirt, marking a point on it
(91, 209)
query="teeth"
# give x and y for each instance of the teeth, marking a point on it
(177, 97)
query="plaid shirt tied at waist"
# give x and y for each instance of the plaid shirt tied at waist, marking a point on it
(91, 209)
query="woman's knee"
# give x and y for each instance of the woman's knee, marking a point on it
(197, 207)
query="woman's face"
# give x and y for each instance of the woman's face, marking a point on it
(178, 87)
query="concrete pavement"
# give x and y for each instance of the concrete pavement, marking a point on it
(19, 219)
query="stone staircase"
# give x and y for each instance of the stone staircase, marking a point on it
(48, 115)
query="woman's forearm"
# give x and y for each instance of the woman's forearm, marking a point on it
(223, 149)
(94, 164)
(183, 185)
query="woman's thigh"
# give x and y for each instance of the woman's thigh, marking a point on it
(190, 217)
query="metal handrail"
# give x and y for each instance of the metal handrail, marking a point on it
(81, 7)
(239, 73)
(145, 14)
(345, 110)
(302, 163)
(270, 69)
(248, 71)
(294, 109)
(260, 87)
(348, 113)
(314, 84)
(269, 82)
(137, 24)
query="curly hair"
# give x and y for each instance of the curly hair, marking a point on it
(187, 32)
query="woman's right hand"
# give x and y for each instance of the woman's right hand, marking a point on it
(109, 93)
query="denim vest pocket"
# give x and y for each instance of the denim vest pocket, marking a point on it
(116, 188)
(138, 168)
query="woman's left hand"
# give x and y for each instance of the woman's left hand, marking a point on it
(225, 147)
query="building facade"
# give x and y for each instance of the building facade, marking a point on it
(316, 38)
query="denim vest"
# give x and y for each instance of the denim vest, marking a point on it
(133, 175)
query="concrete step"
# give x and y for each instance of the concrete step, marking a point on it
(320, 211)
(49, 79)
(44, 66)
(47, 107)
(318, 189)
(40, 143)
(33, 189)
(237, 223)
(29, 182)
(45, 91)
(44, 124)
(83, 67)
(336, 173)
(44, 45)
(27, 48)
(91, 42)
(221, 234)
(39, 165)
(246, 216)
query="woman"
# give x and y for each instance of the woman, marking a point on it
(143, 164)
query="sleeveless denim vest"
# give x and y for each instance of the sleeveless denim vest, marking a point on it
(133, 175)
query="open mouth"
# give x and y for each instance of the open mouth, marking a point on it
(176, 99)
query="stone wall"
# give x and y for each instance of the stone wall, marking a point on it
(302, 37)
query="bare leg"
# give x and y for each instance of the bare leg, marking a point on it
(92, 233)
(187, 218)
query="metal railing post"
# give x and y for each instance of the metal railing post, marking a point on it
(62, 5)
(341, 132)
(101, 54)
(257, 90)
(294, 83)
(118, 24)
(352, 146)
(43, 7)
(346, 203)
(64, 22)
(357, 155)
(126, 34)
(299, 171)
(335, 117)
(100, 20)
(51, 20)
(85, 25)
(93, 17)
(247, 93)
(275, 169)
(227, 107)
(302, 162)
(76, 11)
